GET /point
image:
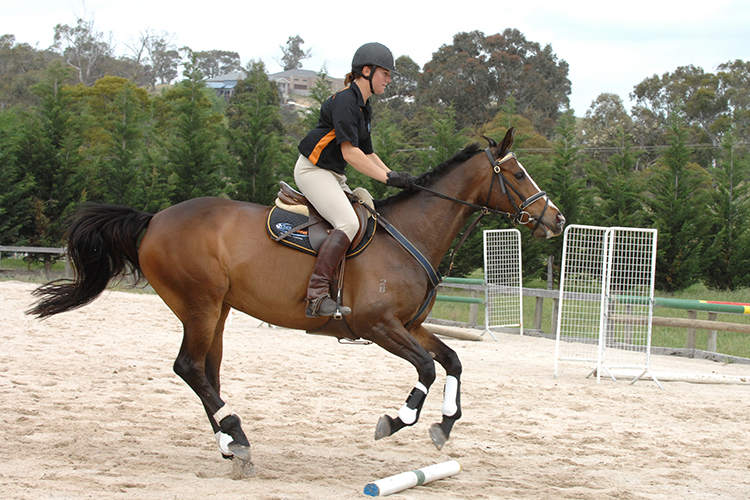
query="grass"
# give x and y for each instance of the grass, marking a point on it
(730, 343)
(15, 264)
(20, 270)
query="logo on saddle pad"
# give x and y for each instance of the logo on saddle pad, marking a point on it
(296, 227)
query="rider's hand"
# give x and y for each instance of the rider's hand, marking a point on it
(400, 180)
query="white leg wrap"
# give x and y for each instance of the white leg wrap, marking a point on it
(409, 415)
(223, 412)
(450, 407)
(223, 441)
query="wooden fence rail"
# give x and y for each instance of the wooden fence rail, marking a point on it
(691, 323)
(36, 250)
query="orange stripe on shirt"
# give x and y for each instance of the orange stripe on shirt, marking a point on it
(320, 146)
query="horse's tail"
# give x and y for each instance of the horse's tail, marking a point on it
(102, 244)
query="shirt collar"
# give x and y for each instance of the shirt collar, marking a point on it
(360, 98)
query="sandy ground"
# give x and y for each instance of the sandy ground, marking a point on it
(91, 409)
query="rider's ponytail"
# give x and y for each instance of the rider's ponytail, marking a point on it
(353, 75)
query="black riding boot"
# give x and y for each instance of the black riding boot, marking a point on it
(319, 301)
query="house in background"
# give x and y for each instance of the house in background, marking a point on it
(293, 82)
(224, 84)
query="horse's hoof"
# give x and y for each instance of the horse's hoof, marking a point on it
(383, 428)
(240, 451)
(438, 436)
(242, 469)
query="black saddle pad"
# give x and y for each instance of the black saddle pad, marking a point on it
(281, 221)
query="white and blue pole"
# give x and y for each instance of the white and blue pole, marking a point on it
(405, 480)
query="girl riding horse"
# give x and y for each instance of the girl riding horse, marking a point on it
(341, 137)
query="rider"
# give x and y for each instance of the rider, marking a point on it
(341, 137)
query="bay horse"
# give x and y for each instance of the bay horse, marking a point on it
(208, 255)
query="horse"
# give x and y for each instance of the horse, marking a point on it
(205, 256)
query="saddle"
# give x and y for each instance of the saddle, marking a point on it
(294, 222)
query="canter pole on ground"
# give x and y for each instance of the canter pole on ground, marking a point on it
(405, 480)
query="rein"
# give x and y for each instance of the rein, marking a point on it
(520, 217)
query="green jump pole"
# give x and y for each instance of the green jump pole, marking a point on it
(693, 305)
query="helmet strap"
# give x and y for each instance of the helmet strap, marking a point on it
(369, 78)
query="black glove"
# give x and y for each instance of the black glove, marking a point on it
(400, 180)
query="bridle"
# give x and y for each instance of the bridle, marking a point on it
(518, 217)
(521, 216)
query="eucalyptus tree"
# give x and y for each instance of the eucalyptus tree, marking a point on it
(155, 56)
(293, 54)
(476, 74)
(698, 98)
(213, 63)
(84, 48)
(21, 66)
(604, 126)
(734, 79)
(400, 96)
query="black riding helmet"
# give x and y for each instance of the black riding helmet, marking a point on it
(373, 54)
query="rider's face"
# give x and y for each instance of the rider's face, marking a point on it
(380, 80)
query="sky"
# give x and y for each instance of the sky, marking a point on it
(609, 46)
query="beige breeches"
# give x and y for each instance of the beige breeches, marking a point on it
(325, 190)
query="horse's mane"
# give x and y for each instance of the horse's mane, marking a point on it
(428, 178)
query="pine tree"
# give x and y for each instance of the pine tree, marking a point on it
(15, 184)
(255, 136)
(678, 191)
(49, 150)
(727, 257)
(195, 147)
(618, 185)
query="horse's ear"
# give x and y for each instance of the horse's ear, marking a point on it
(490, 140)
(507, 141)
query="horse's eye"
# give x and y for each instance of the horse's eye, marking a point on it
(519, 175)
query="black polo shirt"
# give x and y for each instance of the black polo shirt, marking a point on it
(344, 116)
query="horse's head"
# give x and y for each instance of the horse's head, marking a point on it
(515, 192)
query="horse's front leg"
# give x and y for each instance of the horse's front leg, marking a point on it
(448, 359)
(398, 341)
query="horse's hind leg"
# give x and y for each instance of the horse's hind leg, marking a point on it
(212, 370)
(448, 359)
(198, 364)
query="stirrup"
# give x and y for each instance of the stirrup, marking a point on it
(313, 309)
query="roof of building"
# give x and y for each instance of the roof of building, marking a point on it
(236, 75)
(304, 73)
